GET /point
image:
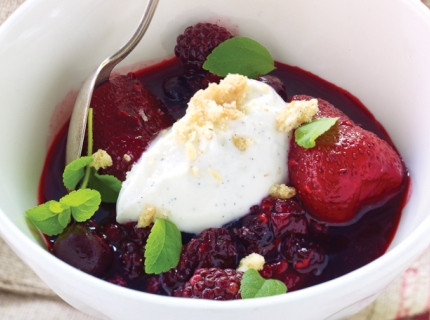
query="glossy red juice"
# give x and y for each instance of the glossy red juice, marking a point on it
(347, 247)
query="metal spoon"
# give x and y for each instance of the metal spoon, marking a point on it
(78, 121)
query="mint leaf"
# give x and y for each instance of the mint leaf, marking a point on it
(307, 134)
(255, 286)
(107, 185)
(84, 203)
(74, 171)
(62, 210)
(240, 55)
(48, 221)
(64, 218)
(163, 247)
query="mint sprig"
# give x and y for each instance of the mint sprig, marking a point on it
(83, 203)
(75, 171)
(108, 186)
(163, 248)
(53, 216)
(240, 55)
(253, 285)
(306, 134)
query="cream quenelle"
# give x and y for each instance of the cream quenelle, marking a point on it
(209, 168)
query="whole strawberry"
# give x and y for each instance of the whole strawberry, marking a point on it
(127, 117)
(350, 169)
(196, 43)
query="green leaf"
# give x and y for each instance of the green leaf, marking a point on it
(84, 203)
(163, 247)
(255, 286)
(74, 171)
(307, 134)
(50, 222)
(107, 185)
(63, 211)
(240, 55)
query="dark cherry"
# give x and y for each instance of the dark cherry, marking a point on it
(82, 248)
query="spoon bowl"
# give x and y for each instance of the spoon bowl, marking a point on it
(78, 121)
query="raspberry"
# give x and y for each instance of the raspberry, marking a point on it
(196, 43)
(212, 284)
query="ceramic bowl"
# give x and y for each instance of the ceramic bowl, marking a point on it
(377, 50)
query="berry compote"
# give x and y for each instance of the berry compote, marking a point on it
(298, 249)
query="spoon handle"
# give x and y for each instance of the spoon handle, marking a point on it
(78, 121)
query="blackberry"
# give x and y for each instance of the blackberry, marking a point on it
(304, 254)
(118, 280)
(196, 43)
(212, 248)
(132, 259)
(212, 284)
(276, 84)
(255, 234)
(288, 217)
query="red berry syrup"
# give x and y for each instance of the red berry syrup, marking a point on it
(299, 250)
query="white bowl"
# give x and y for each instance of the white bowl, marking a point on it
(377, 50)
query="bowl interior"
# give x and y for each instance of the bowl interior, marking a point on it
(49, 47)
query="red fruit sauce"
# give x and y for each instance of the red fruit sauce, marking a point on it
(299, 250)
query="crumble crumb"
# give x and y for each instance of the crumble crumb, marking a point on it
(101, 160)
(191, 151)
(241, 143)
(251, 261)
(281, 191)
(210, 110)
(127, 158)
(195, 171)
(146, 217)
(296, 113)
(215, 174)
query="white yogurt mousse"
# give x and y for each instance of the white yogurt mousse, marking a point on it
(217, 161)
